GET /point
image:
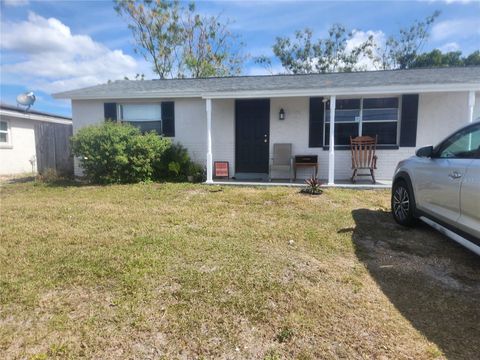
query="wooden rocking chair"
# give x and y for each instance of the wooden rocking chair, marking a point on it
(363, 155)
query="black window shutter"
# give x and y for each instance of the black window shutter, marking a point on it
(110, 111)
(168, 118)
(408, 125)
(315, 138)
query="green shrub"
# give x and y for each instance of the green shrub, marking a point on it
(197, 172)
(144, 152)
(174, 165)
(118, 153)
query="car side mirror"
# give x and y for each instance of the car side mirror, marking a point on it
(426, 151)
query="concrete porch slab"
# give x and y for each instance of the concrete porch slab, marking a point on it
(380, 184)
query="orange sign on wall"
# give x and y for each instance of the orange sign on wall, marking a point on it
(221, 169)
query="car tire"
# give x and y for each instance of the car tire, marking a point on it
(403, 204)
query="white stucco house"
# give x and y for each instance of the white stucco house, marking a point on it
(19, 137)
(239, 119)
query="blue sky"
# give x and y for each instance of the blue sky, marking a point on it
(49, 46)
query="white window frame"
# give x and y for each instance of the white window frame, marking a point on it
(120, 113)
(360, 121)
(8, 143)
(326, 119)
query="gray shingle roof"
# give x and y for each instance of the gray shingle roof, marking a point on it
(430, 77)
(19, 110)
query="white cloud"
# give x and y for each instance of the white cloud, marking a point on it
(451, 46)
(360, 37)
(456, 29)
(15, 2)
(53, 59)
(458, 1)
(448, 2)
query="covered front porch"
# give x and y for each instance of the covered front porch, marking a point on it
(242, 130)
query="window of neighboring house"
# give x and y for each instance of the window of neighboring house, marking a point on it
(365, 116)
(147, 117)
(4, 133)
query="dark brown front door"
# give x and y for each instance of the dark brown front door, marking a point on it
(252, 132)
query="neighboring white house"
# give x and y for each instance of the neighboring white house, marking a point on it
(17, 138)
(237, 119)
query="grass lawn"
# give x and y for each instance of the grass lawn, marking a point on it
(193, 271)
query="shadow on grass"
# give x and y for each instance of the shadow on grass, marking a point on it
(17, 179)
(64, 183)
(55, 183)
(432, 281)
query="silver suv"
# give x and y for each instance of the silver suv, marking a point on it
(441, 186)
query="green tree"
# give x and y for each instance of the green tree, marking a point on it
(436, 58)
(179, 42)
(303, 54)
(209, 47)
(401, 50)
(473, 59)
(156, 30)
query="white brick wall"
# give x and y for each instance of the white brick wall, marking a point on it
(190, 123)
(223, 132)
(15, 157)
(439, 115)
(84, 113)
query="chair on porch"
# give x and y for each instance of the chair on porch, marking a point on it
(282, 160)
(363, 155)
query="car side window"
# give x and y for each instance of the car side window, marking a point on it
(462, 145)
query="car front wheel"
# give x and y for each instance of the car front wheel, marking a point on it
(403, 204)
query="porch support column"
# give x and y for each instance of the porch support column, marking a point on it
(331, 152)
(209, 142)
(471, 105)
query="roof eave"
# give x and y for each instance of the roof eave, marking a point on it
(376, 90)
(34, 117)
(345, 91)
(149, 95)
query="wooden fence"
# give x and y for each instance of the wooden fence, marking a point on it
(52, 143)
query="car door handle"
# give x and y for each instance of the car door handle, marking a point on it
(454, 175)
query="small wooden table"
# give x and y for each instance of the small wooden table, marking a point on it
(302, 161)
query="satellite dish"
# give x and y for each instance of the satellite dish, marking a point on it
(26, 99)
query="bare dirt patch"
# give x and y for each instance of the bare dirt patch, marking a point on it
(432, 281)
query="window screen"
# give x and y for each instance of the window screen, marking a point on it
(342, 133)
(147, 117)
(368, 116)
